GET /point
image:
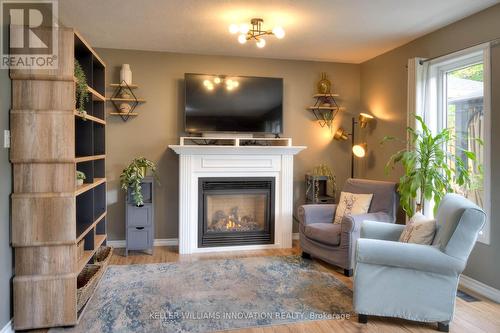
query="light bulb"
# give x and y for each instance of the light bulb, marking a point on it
(244, 28)
(210, 87)
(242, 39)
(233, 28)
(217, 80)
(359, 150)
(279, 32)
(206, 83)
(235, 84)
(229, 82)
(229, 87)
(261, 43)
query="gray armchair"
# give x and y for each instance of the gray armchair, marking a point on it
(412, 281)
(336, 243)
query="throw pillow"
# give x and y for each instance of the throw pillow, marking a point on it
(419, 230)
(352, 204)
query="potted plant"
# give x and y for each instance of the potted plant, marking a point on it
(133, 175)
(82, 93)
(80, 177)
(325, 170)
(427, 166)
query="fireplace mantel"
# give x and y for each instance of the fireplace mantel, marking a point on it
(197, 161)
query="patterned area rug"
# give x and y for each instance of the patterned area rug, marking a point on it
(213, 295)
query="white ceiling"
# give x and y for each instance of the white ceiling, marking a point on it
(330, 30)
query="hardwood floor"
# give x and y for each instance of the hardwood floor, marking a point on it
(476, 317)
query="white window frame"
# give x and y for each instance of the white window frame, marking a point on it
(438, 68)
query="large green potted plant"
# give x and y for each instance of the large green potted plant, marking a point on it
(429, 169)
(133, 175)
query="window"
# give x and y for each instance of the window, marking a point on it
(458, 98)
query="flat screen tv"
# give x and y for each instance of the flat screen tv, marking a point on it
(219, 103)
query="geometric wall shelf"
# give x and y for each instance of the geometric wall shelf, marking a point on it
(124, 100)
(325, 109)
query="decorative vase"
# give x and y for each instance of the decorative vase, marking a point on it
(126, 74)
(124, 108)
(144, 171)
(324, 85)
(125, 94)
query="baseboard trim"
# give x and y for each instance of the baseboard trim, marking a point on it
(480, 288)
(157, 242)
(164, 242)
(8, 328)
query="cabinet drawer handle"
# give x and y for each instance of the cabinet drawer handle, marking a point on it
(139, 228)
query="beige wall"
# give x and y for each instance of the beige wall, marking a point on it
(383, 92)
(160, 77)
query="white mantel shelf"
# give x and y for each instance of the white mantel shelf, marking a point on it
(238, 150)
(273, 159)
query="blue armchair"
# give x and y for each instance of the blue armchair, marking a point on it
(336, 243)
(412, 281)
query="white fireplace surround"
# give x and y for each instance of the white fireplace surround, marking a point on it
(198, 161)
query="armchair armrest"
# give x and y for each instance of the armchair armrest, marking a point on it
(410, 256)
(309, 214)
(353, 223)
(383, 231)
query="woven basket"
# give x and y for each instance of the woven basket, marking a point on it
(102, 256)
(86, 283)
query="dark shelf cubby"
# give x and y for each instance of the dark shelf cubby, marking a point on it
(88, 169)
(100, 228)
(98, 109)
(84, 138)
(99, 168)
(97, 76)
(99, 200)
(84, 212)
(99, 139)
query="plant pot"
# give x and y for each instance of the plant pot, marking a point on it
(126, 74)
(144, 170)
(79, 182)
(124, 108)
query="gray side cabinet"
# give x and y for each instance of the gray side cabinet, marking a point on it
(140, 220)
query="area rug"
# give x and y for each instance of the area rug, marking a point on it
(214, 295)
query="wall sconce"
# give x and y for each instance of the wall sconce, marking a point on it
(359, 150)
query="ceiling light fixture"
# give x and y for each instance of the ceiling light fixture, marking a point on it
(256, 32)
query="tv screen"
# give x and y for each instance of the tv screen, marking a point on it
(219, 103)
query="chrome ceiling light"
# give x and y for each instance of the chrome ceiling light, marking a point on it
(255, 32)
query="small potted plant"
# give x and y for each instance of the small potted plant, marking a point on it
(133, 175)
(80, 177)
(82, 93)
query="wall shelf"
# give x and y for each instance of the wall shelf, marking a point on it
(124, 94)
(89, 158)
(90, 118)
(88, 186)
(325, 109)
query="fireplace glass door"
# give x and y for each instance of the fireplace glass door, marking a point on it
(235, 211)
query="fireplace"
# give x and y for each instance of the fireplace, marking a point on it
(235, 211)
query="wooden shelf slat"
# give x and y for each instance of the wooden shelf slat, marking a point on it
(89, 48)
(85, 187)
(117, 99)
(132, 114)
(90, 227)
(131, 86)
(322, 108)
(91, 118)
(95, 95)
(84, 260)
(89, 158)
(325, 95)
(98, 240)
